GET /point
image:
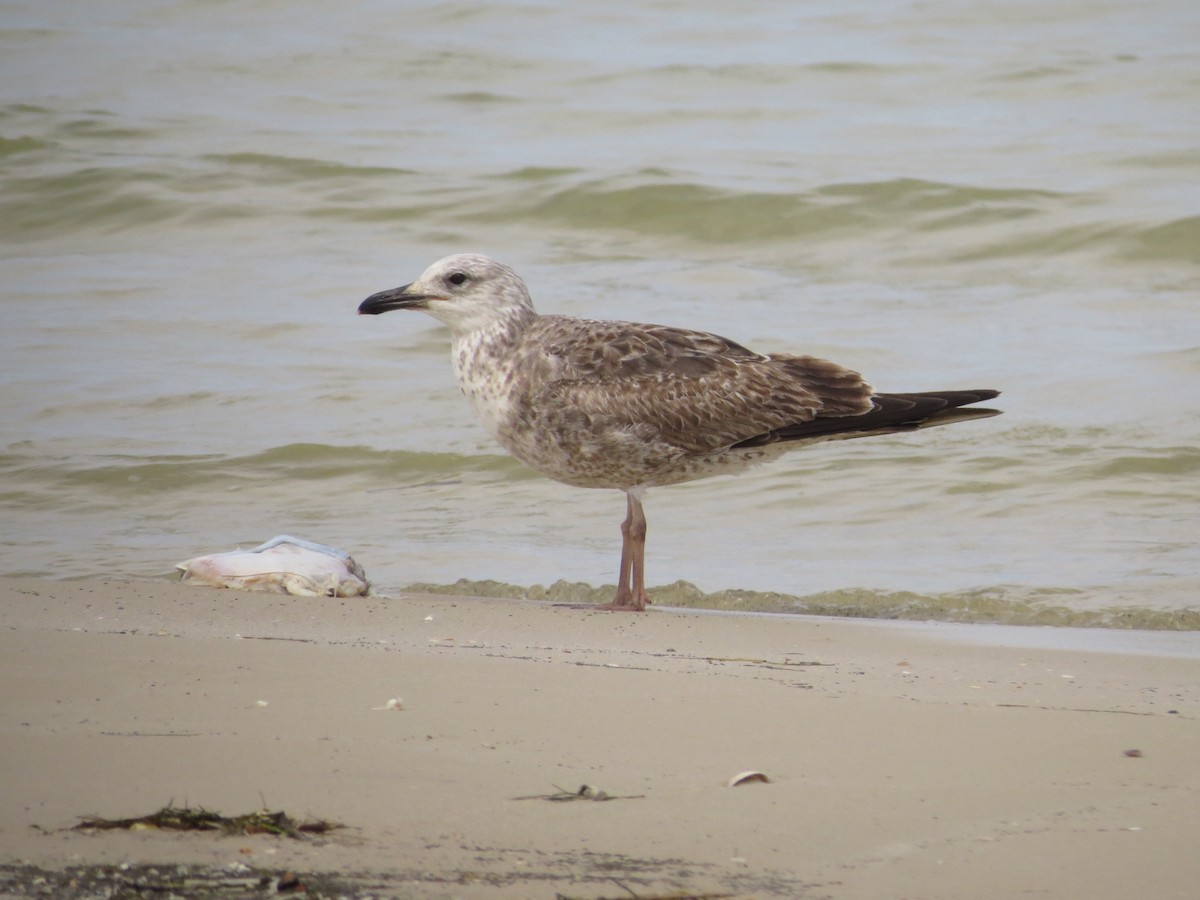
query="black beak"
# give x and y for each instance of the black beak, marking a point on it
(386, 301)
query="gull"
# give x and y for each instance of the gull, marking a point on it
(606, 404)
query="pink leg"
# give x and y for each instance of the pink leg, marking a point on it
(631, 582)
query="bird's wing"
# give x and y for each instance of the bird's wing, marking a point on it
(697, 391)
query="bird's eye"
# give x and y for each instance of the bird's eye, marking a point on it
(458, 278)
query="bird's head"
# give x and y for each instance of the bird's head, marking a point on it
(465, 292)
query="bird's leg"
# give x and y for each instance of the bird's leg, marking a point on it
(625, 575)
(637, 533)
(631, 581)
(624, 598)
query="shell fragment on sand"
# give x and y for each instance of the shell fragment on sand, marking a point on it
(285, 565)
(748, 778)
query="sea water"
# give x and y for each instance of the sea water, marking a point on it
(194, 198)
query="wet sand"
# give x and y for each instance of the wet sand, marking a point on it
(904, 761)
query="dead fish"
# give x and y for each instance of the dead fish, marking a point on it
(285, 565)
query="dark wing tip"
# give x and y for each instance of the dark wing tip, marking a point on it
(891, 413)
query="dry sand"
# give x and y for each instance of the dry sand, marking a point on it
(904, 761)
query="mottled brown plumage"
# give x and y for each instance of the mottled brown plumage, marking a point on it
(631, 406)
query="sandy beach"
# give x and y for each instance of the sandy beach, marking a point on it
(911, 761)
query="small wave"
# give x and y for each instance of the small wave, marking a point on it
(1002, 606)
(537, 174)
(689, 75)
(1177, 241)
(137, 475)
(479, 98)
(692, 211)
(320, 461)
(47, 194)
(711, 214)
(1173, 461)
(958, 222)
(294, 169)
(101, 125)
(89, 199)
(13, 146)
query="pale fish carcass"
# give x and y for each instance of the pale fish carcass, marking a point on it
(284, 565)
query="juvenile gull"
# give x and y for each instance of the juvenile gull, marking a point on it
(622, 405)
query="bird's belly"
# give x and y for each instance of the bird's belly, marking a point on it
(620, 458)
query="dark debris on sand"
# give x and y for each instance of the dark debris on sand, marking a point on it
(171, 818)
(175, 882)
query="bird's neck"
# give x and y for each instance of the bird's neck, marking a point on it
(485, 362)
(495, 339)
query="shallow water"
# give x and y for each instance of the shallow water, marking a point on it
(194, 198)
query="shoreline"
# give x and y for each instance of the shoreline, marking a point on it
(905, 758)
(1013, 605)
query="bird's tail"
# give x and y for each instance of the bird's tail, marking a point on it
(891, 414)
(938, 407)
